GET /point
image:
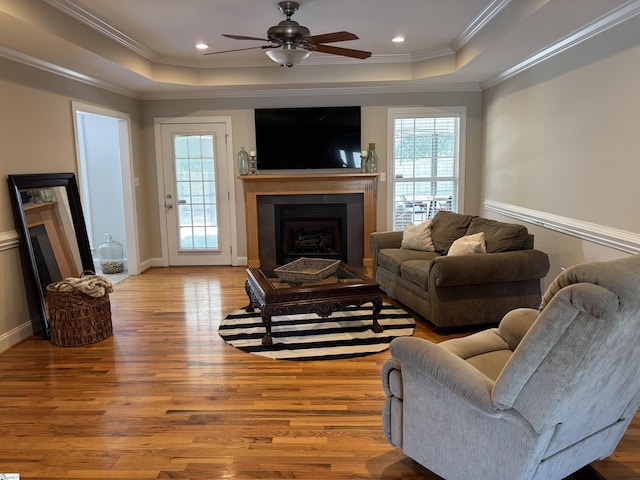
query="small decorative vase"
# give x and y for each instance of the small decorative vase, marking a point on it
(243, 162)
(111, 255)
(372, 162)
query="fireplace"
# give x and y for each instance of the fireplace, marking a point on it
(337, 216)
(263, 192)
(314, 230)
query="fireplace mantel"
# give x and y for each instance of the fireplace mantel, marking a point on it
(309, 184)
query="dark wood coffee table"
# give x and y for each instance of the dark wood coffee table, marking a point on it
(345, 288)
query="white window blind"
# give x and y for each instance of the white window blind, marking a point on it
(426, 165)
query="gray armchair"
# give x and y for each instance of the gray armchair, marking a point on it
(544, 394)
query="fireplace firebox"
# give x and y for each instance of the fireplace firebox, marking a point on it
(321, 226)
(312, 230)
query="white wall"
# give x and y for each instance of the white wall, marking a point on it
(100, 147)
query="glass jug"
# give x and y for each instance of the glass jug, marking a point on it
(111, 255)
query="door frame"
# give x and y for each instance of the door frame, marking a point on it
(230, 187)
(128, 179)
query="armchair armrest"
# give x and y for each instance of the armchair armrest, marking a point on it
(446, 369)
(380, 240)
(489, 268)
(515, 325)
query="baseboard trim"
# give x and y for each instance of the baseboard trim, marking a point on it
(15, 336)
(150, 263)
(622, 240)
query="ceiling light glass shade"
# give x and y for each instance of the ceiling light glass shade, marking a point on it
(288, 55)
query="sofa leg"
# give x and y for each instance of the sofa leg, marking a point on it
(443, 330)
(586, 473)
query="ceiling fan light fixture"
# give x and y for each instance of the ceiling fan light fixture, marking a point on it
(288, 55)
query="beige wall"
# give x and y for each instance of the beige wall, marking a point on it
(563, 138)
(374, 129)
(36, 136)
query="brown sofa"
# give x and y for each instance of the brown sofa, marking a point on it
(462, 290)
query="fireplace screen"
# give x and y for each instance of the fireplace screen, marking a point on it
(311, 231)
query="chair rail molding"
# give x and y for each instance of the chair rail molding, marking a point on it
(9, 240)
(622, 240)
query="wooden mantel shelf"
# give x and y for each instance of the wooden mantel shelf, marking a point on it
(308, 184)
(305, 176)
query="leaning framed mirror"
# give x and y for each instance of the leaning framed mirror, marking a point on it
(49, 219)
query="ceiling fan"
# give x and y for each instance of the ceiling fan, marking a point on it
(290, 43)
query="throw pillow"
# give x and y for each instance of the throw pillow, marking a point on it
(499, 236)
(468, 245)
(417, 237)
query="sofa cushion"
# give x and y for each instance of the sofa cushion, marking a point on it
(418, 237)
(391, 258)
(499, 236)
(447, 227)
(468, 245)
(416, 272)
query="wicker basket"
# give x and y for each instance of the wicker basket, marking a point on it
(76, 318)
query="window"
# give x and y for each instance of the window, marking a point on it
(196, 189)
(426, 162)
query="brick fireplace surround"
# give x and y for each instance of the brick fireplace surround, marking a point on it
(255, 186)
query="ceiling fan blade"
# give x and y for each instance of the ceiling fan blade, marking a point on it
(345, 52)
(331, 37)
(243, 37)
(241, 49)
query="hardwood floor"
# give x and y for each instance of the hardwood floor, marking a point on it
(165, 397)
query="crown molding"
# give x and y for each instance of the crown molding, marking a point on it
(432, 53)
(482, 20)
(290, 91)
(217, 92)
(622, 240)
(617, 16)
(20, 57)
(72, 9)
(221, 92)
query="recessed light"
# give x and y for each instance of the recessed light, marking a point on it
(398, 39)
(202, 46)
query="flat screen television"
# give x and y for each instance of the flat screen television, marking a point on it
(308, 138)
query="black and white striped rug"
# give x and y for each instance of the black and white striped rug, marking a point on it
(344, 334)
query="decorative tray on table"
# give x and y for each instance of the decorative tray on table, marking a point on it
(307, 270)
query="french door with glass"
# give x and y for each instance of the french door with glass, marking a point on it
(196, 201)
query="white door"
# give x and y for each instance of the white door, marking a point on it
(196, 200)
